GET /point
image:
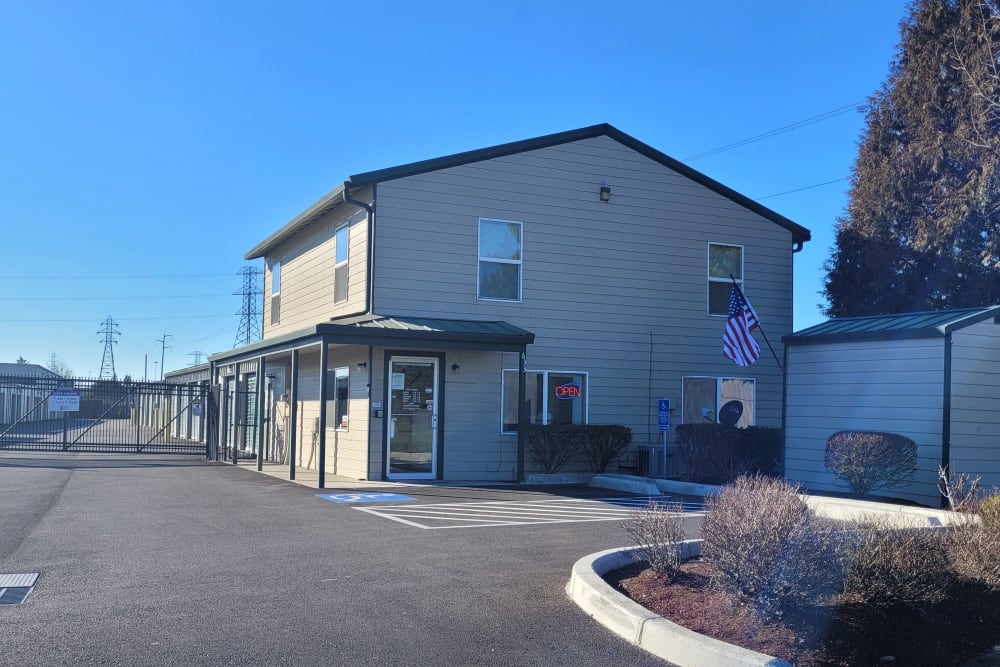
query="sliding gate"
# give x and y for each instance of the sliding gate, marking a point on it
(72, 415)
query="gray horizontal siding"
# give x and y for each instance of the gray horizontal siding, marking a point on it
(599, 280)
(975, 395)
(893, 386)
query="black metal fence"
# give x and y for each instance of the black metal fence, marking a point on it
(55, 414)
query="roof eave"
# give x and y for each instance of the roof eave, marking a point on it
(324, 205)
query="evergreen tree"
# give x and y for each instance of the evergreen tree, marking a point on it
(922, 227)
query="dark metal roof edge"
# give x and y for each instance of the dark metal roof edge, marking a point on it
(333, 329)
(969, 320)
(861, 336)
(799, 233)
(190, 369)
(263, 345)
(321, 207)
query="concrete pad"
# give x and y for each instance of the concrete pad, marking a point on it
(627, 483)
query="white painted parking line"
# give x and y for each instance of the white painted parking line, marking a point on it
(491, 513)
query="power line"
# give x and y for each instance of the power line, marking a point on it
(780, 130)
(125, 319)
(807, 187)
(108, 298)
(120, 277)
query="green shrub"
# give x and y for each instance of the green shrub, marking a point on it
(658, 530)
(888, 565)
(760, 536)
(717, 453)
(551, 446)
(604, 444)
(870, 460)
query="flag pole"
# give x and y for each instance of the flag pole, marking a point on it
(759, 325)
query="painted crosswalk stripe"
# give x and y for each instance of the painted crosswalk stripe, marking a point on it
(517, 513)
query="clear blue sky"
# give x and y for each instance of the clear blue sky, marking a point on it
(146, 146)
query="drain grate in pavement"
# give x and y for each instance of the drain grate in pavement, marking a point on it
(15, 588)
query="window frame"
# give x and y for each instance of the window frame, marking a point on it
(275, 266)
(340, 263)
(337, 416)
(545, 393)
(719, 379)
(494, 260)
(726, 279)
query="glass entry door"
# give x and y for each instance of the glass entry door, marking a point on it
(413, 418)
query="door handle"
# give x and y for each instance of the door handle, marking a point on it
(392, 428)
(434, 421)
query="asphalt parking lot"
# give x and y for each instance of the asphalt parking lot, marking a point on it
(156, 560)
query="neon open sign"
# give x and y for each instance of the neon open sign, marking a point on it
(569, 391)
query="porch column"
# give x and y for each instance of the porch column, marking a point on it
(522, 413)
(261, 394)
(206, 399)
(324, 360)
(236, 411)
(293, 427)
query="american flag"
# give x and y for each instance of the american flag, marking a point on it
(738, 343)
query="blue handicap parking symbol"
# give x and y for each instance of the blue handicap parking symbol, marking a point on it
(363, 497)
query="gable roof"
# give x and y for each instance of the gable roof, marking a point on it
(334, 198)
(27, 370)
(925, 324)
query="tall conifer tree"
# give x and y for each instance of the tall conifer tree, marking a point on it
(922, 227)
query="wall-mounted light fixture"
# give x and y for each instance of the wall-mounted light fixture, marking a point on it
(454, 368)
(605, 193)
(362, 364)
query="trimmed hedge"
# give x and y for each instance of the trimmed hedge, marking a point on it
(552, 446)
(713, 453)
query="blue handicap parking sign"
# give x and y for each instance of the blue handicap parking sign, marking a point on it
(363, 497)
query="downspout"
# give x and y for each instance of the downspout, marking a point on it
(370, 246)
(946, 413)
(369, 290)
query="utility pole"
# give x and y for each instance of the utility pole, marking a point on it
(250, 313)
(163, 350)
(109, 330)
(197, 356)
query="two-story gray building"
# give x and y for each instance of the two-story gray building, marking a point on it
(416, 317)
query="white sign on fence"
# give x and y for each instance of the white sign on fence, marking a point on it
(64, 400)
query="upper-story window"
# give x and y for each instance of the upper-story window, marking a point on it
(723, 261)
(275, 277)
(275, 291)
(499, 260)
(341, 264)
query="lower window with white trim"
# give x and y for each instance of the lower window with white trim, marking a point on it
(715, 400)
(553, 397)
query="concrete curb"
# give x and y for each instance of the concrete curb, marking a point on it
(652, 486)
(662, 638)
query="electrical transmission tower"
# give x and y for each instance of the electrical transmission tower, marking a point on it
(197, 354)
(250, 313)
(109, 330)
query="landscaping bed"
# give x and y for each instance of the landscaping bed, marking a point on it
(843, 631)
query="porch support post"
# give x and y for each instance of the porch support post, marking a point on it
(324, 360)
(206, 401)
(522, 413)
(261, 394)
(293, 413)
(235, 407)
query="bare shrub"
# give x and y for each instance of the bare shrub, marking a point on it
(889, 565)
(870, 460)
(551, 446)
(658, 530)
(604, 444)
(760, 535)
(974, 548)
(961, 491)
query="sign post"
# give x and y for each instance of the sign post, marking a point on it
(663, 424)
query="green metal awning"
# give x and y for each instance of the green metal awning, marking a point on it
(926, 324)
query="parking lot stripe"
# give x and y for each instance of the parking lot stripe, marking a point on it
(518, 513)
